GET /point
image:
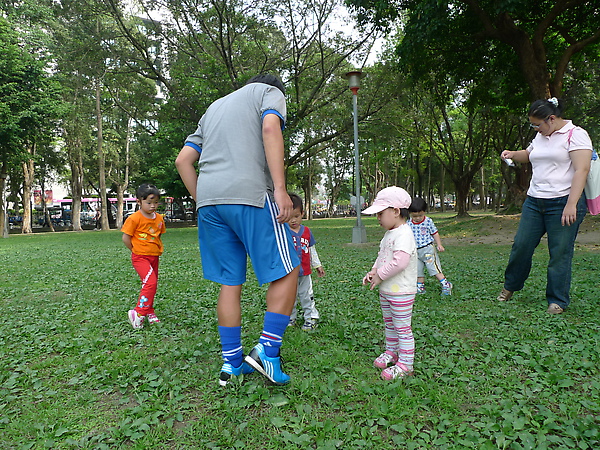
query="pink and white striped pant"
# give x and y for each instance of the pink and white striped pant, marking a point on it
(397, 317)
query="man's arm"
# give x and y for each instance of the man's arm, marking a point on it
(185, 164)
(274, 152)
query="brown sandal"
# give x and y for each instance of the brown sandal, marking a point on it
(504, 296)
(553, 308)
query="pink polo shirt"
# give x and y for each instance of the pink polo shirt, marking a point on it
(549, 156)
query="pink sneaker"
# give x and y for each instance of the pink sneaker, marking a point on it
(385, 359)
(398, 370)
(135, 320)
(152, 318)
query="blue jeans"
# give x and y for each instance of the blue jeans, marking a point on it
(541, 216)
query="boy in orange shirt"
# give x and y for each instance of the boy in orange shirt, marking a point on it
(142, 235)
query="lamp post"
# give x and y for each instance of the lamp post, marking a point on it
(359, 233)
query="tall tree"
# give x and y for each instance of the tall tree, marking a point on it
(30, 103)
(115, 100)
(501, 53)
(133, 104)
(543, 36)
(338, 162)
(215, 46)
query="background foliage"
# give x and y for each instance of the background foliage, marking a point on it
(101, 94)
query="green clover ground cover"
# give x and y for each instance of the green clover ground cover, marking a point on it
(74, 374)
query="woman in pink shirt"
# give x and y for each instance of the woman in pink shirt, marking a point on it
(560, 156)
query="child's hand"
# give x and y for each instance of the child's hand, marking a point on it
(320, 271)
(367, 278)
(441, 248)
(372, 279)
(375, 281)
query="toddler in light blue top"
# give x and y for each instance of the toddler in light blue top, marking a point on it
(426, 234)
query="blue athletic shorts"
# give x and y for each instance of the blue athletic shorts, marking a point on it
(227, 233)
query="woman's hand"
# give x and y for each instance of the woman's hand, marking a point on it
(569, 215)
(520, 156)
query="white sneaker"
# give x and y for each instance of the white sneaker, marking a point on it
(447, 288)
(135, 320)
(310, 324)
(385, 359)
(152, 318)
(398, 370)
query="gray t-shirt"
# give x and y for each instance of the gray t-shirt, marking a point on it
(233, 167)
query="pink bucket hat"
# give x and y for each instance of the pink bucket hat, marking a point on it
(390, 197)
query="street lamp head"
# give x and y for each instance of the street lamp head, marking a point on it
(354, 78)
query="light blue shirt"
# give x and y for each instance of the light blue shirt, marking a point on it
(423, 231)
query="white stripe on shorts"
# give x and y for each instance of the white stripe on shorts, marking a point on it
(280, 236)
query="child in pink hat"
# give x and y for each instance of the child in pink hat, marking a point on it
(395, 272)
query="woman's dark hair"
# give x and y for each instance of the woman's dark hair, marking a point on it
(542, 109)
(145, 190)
(417, 205)
(297, 202)
(271, 80)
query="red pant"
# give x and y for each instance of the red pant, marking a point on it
(147, 268)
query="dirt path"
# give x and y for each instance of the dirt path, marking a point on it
(500, 230)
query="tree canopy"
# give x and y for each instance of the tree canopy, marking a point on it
(102, 94)
(539, 38)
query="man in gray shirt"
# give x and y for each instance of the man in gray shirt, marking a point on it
(243, 205)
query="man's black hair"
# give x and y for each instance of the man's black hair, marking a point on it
(145, 190)
(269, 79)
(417, 205)
(297, 202)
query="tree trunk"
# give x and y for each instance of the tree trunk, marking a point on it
(28, 177)
(120, 204)
(122, 185)
(443, 189)
(498, 199)
(101, 164)
(49, 220)
(308, 193)
(482, 190)
(428, 196)
(335, 192)
(462, 187)
(3, 206)
(76, 189)
(45, 212)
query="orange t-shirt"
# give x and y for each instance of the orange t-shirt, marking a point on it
(145, 233)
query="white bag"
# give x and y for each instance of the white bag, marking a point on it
(592, 186)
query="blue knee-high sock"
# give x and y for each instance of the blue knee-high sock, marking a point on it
(273, 330)
(231, 345)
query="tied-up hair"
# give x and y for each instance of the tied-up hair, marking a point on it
(542, 109)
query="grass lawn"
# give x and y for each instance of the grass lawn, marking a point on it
(74, 374)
